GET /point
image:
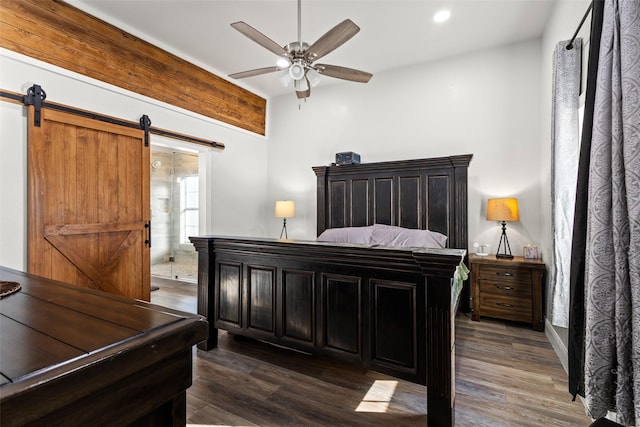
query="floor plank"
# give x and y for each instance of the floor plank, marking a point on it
(506, 375)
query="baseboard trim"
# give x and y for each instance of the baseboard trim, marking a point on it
(561, 351)
(557, 344)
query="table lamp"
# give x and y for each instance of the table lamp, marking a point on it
(285, 209)
(503, 210)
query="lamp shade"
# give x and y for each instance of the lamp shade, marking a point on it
(313, 76)
(301, 85)
(296, 71)
(284, 77)
(503, 210)
(285, 209)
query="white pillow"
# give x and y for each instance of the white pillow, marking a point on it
(390, 235)
(347, 235)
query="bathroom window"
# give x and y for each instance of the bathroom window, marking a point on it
(188, 207)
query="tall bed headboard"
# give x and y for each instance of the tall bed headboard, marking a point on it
(422, 193)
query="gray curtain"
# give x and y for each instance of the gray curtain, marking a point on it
(612, 262)
(564, 172)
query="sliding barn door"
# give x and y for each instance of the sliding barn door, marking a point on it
(89, 203)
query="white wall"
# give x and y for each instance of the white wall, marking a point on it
(13, 184)
(486, 104)
(236, 179)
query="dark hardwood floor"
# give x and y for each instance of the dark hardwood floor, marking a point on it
(506, 375)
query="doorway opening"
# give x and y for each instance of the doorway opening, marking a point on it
(175, 211)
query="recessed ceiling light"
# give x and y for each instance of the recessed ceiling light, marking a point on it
(441, 16)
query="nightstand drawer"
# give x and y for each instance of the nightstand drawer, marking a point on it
(492, 272)
(505, 307)
(506, 289)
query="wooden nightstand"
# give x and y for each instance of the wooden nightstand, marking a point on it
(509, 289)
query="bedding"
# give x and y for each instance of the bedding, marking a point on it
(385, 235)
(358, 235)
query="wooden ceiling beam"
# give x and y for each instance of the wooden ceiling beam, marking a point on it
(62, 35)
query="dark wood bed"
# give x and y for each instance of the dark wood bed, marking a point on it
(388, 309)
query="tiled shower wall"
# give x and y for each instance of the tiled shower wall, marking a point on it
(166, 168)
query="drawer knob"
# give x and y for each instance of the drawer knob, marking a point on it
(506, 288)
(504, 304)
(504, 274)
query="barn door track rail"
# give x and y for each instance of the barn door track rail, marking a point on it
(36, 96)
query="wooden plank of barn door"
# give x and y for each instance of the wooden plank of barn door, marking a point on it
(89, 203)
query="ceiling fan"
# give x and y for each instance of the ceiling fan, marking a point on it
(297, 58)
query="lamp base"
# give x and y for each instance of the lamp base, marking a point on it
(284, 228)
(505, 241)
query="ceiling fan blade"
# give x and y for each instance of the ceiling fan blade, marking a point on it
(332, 39)
(260, 38)
(343, 73)
(256, 72)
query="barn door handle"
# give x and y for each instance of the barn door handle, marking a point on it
(148, 239)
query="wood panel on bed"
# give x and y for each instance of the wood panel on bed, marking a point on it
(421, 193)
(384, 308)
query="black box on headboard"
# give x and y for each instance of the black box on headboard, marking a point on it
(347, 158)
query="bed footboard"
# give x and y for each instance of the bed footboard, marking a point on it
(387, 309)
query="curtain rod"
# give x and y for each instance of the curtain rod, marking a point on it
(570, 45)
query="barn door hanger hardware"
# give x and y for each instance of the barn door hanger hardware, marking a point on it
(35, 96)
(145, 123)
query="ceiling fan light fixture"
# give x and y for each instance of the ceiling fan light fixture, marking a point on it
(284, 77)
(296, 71)
(301, 85)
(283, 63)
(313, 76)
